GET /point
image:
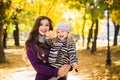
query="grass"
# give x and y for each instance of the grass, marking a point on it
(91, 66)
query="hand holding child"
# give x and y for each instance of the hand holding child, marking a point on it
(63, 71)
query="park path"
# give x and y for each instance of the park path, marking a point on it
(29, 74)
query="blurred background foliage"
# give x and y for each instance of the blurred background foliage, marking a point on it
(71, 11)
(87, 18)
(18, 16)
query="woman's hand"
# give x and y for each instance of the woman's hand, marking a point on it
(63, 71)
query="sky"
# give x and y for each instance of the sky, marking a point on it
(103, 31)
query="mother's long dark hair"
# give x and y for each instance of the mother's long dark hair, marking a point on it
(34, 32)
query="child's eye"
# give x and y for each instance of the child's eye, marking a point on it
(58, 32)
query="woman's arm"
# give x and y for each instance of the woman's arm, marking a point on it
(43, 68)
(38, 64)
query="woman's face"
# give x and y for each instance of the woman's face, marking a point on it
(44, 27)
(62, 34)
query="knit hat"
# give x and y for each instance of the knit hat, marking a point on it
(63, 26)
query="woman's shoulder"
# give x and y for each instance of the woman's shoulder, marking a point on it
(30, 44)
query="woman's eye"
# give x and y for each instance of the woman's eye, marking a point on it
(41, 24)
(47, 25)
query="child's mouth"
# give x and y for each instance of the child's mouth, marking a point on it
(61, 36)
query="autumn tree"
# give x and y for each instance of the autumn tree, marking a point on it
(96, 11)
(3, 6)
(115, 15)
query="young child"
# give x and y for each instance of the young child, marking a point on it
(63, 50)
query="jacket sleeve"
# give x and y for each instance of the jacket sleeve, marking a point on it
(49, 42)
(38, 64)
(72, 52)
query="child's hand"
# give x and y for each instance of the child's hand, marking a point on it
(74, 65)
(50, 34)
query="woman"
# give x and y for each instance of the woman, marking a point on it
(38, 54)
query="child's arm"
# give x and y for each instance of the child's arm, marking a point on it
(50, 37)
(49, 42)
(72, 54)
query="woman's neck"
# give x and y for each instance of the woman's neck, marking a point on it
(41, 38)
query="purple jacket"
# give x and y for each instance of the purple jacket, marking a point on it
(41, 66)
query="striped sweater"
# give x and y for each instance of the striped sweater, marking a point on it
(61, 53)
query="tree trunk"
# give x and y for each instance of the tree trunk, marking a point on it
(95, 38)
(83, 37)
(16, 35)
(2, 11)
(4, 38)
(90, 36)
(2, 54)
(116, 31)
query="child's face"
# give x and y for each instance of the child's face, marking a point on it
(44, 26)
(62, 34)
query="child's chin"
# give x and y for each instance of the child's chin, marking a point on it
(61, 38)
